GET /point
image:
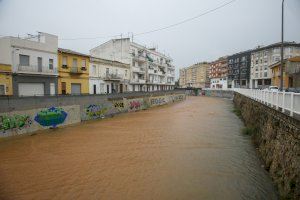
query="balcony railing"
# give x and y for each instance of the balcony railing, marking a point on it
(113, 76)
(140, 70)
(77, 70)
(36, 69)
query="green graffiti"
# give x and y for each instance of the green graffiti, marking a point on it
(96, 111)
(14, 122)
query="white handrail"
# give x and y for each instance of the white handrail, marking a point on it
(287, 101)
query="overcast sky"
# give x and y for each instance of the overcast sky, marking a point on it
(239, 26)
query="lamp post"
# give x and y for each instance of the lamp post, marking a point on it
(282, 30)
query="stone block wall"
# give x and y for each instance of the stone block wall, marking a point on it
(277, 137)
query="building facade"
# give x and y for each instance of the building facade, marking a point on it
(33, 62)
(195, 76)
(239, 70)
(150, 70)
(263, 57)
(107, 76)
(73, 72)
(291, 73)
(218, 72)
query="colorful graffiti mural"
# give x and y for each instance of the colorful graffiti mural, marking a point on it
(158, 101)
(96, 111)
(134, 105)
(14, 122)
(51, 117)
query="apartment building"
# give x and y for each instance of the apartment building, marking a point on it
(150, 70)
(239, 69)
(73, 72)
(195, 76)
(107, 76)
(264, 57)
(218, 72)
(182, 78)
(29, 65)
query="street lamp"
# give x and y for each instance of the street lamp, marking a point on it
(281, 68)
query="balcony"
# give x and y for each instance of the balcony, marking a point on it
(139, 70)
(139, 57)
(34, 69)
(77, 70)
(138, 81)
(113, 77)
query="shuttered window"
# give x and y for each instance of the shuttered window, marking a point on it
(24, 60)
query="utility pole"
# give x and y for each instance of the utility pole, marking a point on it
(282, 31)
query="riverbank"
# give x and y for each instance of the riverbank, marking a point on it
(177, 151)
(277, 138)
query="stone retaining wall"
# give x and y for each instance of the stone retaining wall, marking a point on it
(277, 137)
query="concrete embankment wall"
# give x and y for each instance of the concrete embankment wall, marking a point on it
(28, 114)
(219, 93)
(277, 137)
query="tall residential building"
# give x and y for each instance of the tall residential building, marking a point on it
(263, 57)
(239, 70)
(107, 76)
(73, 72)
(218, 73)
(150, 70)
(195, 76)
(33, 62)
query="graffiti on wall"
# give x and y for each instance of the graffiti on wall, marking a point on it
(51, 117)
(134, 105)
(178, 98)
(96, 111)
(14, 122)
(119, 105)
(157, 101)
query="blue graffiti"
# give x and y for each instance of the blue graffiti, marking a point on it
(51, 117)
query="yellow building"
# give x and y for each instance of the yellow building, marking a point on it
(289, 79)
(5, 80)
(195, 76)
(73, 70)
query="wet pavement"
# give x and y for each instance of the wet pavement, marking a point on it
(188, 150)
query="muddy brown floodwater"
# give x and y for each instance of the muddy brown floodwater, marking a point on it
(189, 150)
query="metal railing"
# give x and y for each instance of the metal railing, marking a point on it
(37, 69)
(286, 101)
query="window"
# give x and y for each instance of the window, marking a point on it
(94, 69)
(83, 63)
(2, 89)
(74, 62)
(125, 73)
(24, 60)
(64, 61)
(107, 70)
(265, 74)
(50, 63)
(63, 87)
(133, 63)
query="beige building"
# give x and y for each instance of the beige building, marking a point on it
(195, 76)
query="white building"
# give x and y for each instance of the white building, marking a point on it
(263, 57)
(107, 76)
(34, 63)
(149, 70)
